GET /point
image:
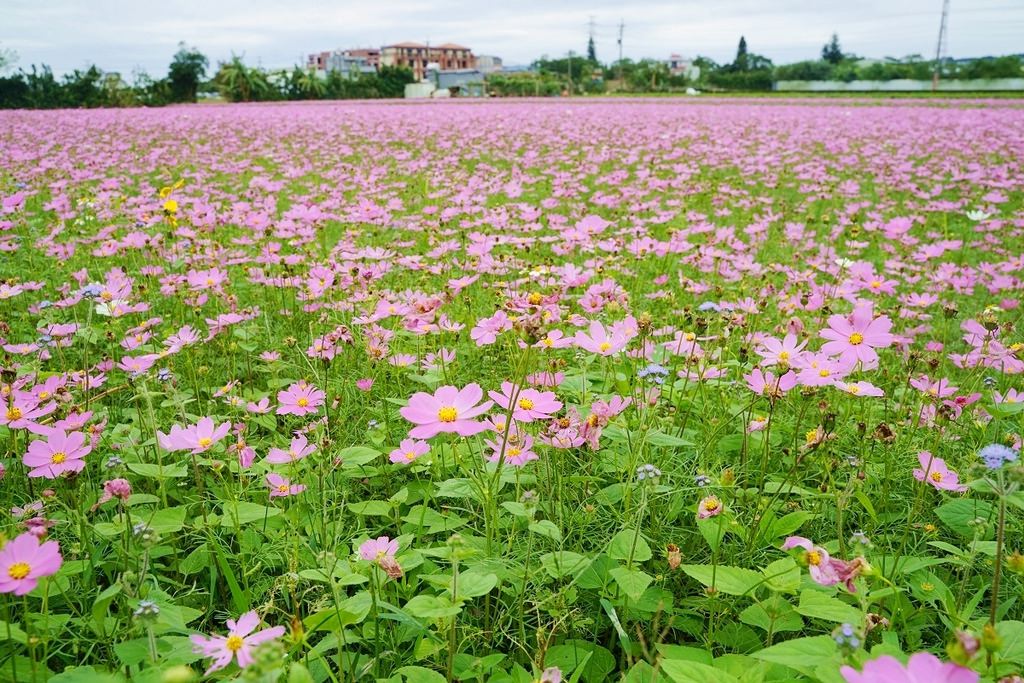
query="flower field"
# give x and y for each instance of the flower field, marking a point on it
(642, 390)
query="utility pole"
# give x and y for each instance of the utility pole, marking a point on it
(570, 72)
(622, 26)
(940, 47)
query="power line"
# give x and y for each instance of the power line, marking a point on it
(940, 47)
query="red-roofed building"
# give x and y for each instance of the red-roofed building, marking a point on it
(416, 56)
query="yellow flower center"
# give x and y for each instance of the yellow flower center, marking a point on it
(875, 284)
(711, 505)
(824, 373)
(234, 643)
(853, 389)
(604, 346)
(19, 570)
(302, 402)
(410, 455)
(936, 477)
(534, 298)
(813, 557)
(205, 441)
(548, 341)
(783, 355)
(14, 413)
(209, 282)
(283, 488)
(525, 404)
(513, 452)
(811, 436)
(58, 457)
(447, 414)
(856, 338)
(43, 395)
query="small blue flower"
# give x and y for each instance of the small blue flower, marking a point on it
(709, 306)
(996, 455)
(91, 291)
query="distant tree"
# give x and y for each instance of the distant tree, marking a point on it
(832, 53)
(393, 80)
(591, 50)
(741, 62)
(240, 83)
(7, 59)
(187, 69)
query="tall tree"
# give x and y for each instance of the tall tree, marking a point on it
(188, 68)
(832, 53)
(740, 63)
(591, 50)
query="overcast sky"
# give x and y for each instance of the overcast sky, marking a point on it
(125, 35)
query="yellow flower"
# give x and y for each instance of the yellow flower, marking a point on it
(171, 206)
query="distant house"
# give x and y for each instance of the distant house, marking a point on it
(460, 82)
(489, 64)
(680, 66)
(349, 63)
(417, 56)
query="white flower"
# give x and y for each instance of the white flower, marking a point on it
(114, 307)
(978, 215)
(843, 263)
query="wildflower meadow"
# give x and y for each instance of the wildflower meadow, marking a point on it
(567, 391)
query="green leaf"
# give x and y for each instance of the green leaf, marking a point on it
(86, 674)
(730, 580)
(595, 661)
(245, 513)
(546, 527)
(960, 513)
(633, 582)
(773, 615)
(101, 605)
(370, 508)
(629, 543)
(1012, 633)
(782, 576)
(356, 456)
(786, 525)
(456, 488)
(432, 607)
(166, 521)
(420, 674)
(816, 604)
(12, 632)
(562, 563)
(656, 438)
(682, 671)
(802, 654)
(154, 471)
(474, 583)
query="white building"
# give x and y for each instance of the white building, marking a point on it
(682, 66)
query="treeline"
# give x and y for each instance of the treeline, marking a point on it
(237, 82)
(913, 67)
(38, 88)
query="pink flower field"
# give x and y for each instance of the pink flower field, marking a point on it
(643, 390)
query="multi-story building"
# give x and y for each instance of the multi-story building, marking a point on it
(370, 54)
(678, 66)
(361, 60)
(417, 56)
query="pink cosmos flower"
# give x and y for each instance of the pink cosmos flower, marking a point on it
(259, 408)
(1011, 396)
(299, 449)
(859, 388)
(23, 410)
(604, 342)
(375, 549)
(825, 570)
(300, 399)
(938, 389)
(518, 448)
(775, 352)
(530, 404)
(408, 451)
(239, 642)
(25, 560)
(449, 409)
(60, 453)
(281, 487)
(115, 488)
(923, 667)
(934, 471)
(710, 506)
(196, 438)
(364, 384)
(766, 384)
(856, 337)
